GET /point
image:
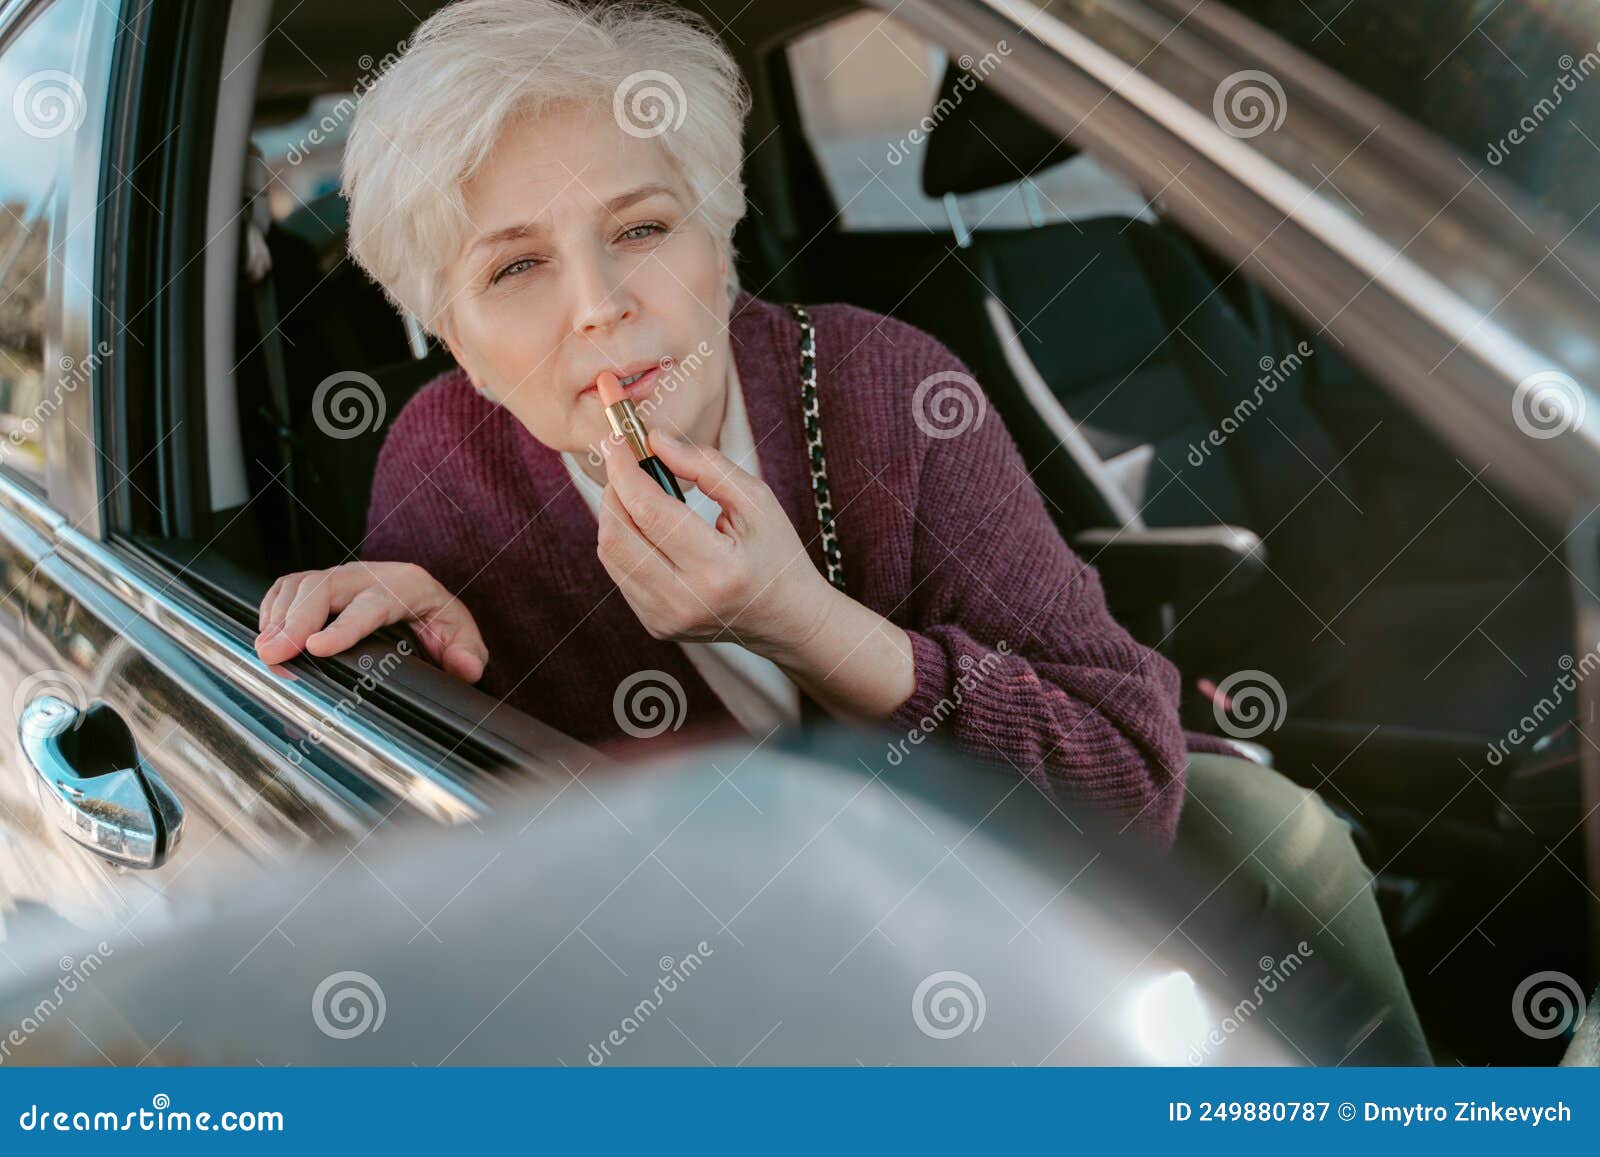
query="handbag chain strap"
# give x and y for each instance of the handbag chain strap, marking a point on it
(816, 458)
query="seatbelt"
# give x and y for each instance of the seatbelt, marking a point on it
(277, 412)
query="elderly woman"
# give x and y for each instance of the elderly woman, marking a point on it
(553, 192)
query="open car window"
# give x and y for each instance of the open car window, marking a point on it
(866, 86)
(249, 445)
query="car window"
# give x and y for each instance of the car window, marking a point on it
(865, 85)
(298, 301)
(304, 153)
(1510, 86)
(43, 104)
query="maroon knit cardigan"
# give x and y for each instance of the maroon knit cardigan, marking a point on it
(945, 536)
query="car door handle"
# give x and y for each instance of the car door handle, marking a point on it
(94, 785)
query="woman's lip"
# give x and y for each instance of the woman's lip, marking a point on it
(638, 386)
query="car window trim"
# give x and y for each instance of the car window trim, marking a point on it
(416, 695)
(438, 781)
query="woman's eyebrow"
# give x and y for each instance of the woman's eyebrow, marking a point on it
(535, 229)
(506, 234)
(633, 196)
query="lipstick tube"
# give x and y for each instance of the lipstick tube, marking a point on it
(628, 426)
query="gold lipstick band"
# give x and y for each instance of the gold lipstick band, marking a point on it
(627, 425)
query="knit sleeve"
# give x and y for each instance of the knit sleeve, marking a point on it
(1016, 656)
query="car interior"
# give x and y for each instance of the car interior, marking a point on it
(1410, 613)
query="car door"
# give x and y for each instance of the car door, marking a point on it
(150, 757)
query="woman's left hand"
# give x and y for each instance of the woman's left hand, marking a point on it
(747, 580)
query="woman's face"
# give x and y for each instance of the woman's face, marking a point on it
(584, 256)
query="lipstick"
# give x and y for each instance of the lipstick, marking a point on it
(628, 426)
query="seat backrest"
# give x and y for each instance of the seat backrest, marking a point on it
(340, 469)
(1136, 392)
(334, 326)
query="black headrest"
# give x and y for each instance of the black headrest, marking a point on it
(980, 141)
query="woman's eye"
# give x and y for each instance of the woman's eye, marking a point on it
(514, 268)
(639, 232)
(636, 233)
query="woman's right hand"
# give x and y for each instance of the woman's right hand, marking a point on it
(366, 596)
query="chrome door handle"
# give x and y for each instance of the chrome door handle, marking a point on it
(94, 785)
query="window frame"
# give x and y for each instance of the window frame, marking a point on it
(417, 723)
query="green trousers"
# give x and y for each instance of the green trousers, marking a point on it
(1280, 840)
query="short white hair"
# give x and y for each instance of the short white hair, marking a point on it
(424, 127)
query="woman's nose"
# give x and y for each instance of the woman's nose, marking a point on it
(600, 295)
